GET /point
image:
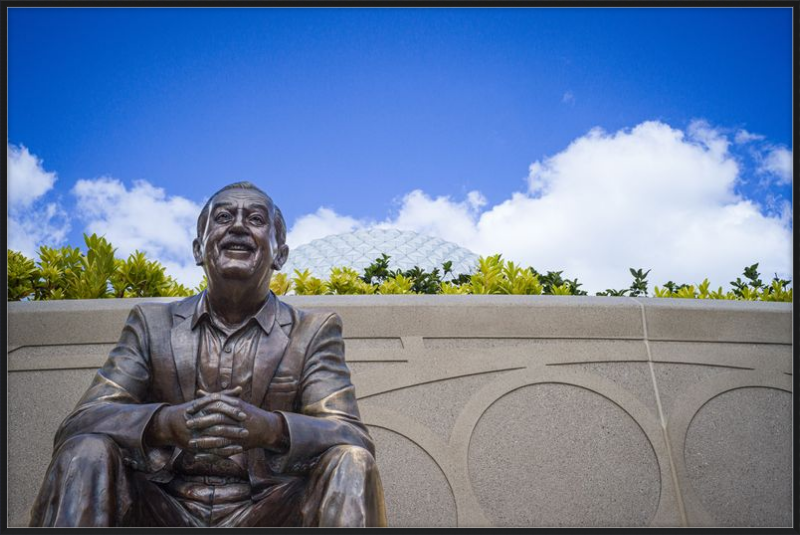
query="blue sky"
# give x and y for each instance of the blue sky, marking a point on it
(482, 126)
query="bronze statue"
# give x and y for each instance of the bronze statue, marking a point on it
(228, 408)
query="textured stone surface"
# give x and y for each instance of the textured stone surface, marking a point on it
(37, 403)
(578, 347)
(481, 343)
(435, 405)
(538, 350)
(58, 356)
(739, 460)
(718, 320)
(634, 377)
(365, 316)
(486, 316)
(416, 492)
(372, 343)
(92, 321)
(440, 316)
(744, 355)
(572, 458)
(357, 368)
(429, 364)
(675, 381)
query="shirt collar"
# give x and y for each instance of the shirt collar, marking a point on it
(265, 316)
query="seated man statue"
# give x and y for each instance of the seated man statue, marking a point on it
(228, 408)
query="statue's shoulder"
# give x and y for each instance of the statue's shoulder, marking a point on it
(162, 313)
(305, 320)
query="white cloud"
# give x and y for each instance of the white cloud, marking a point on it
(743, 136)
(701, 132)
(778, 162)
(442, 217)
(27, 179)
(568, 98)
(476, 200)
(27, 231)
(649, 197)
(31, 222)
(142, 218)
(321, 223)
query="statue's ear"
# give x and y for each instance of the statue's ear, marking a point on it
(280, 257)
(197, 249)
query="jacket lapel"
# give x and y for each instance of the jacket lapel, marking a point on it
(184, 348)
(271, 348)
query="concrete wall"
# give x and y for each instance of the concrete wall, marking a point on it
(506, 410)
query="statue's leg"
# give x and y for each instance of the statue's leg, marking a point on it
(155, 507)
(86, 484)
(279, 507)
(344, 490)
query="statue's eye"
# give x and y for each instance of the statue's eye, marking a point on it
(223, 217)
(257, 219)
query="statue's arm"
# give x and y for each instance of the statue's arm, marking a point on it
(328, 411)
(114, 403)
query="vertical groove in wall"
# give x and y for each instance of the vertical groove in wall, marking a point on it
(661, 416)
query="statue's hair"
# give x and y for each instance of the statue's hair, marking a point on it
(278, 223)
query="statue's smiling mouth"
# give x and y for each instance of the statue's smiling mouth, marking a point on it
(238, 247)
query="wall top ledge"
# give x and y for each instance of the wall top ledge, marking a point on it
(327, 301)
(713, 304)
(452, 316)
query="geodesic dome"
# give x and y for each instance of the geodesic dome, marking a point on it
(360, 248)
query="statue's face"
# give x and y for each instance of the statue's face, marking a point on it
(238, 242)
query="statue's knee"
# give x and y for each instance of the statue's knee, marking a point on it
(89, 446)
(353, 457)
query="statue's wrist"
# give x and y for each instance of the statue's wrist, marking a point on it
(162, 430)
(154, 434)
(273, 436)
(280, 435)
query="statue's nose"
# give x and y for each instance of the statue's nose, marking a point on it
(238, 226)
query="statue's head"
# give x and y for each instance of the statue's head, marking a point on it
(241, 235)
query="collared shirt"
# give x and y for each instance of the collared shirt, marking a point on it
(225, 360)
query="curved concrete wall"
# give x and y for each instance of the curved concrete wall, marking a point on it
(506, 410)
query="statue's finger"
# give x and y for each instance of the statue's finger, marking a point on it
(207, 420)
(230, 431)
(227, 451)
(198, 421)
(232, 411)
(200, 403)
(217, 397)
(235, 391)
(233, 402)
(203, 443)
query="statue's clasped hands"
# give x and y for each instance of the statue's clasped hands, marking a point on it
(218, 423)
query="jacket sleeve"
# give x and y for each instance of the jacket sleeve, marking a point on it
(328, 411)
(113, 404)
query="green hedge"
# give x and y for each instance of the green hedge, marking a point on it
(69, 273)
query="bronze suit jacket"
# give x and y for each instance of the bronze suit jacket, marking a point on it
(299, 370)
